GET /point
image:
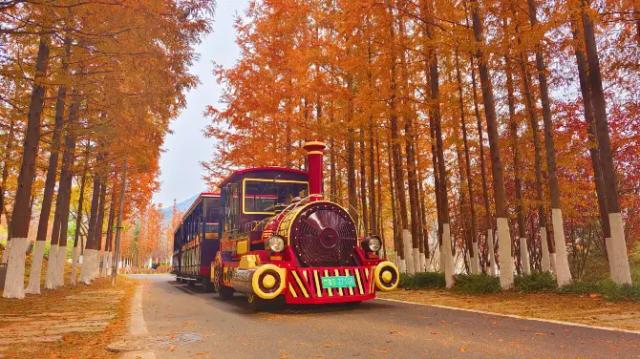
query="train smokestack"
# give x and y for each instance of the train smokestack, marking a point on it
(315, 150)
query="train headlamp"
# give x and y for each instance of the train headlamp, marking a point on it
(372, 244)
(276, 244)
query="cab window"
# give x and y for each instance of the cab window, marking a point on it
(261, 196)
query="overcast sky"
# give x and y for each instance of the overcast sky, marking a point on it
(181, 173)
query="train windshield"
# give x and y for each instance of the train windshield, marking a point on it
(261, 196)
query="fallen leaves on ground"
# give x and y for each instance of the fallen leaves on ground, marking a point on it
(71, 322)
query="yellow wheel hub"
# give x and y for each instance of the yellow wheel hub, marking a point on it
(384, 275)
(269, 281)
(387, 276)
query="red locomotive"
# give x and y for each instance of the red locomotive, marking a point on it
(278, 238)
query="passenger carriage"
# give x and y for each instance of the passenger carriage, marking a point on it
(196, 240)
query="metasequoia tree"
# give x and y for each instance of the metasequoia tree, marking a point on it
(119, 72)
(504, 238)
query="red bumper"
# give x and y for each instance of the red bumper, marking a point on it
(304, 285)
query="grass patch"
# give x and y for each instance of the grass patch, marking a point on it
(535, 282)
(476, 284)
(423, 280)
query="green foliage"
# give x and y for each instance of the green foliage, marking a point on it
(536, 282)
(607, 288)
(476, 284)
(579, 287)
(425, 280)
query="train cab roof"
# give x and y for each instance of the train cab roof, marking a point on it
(266, 171)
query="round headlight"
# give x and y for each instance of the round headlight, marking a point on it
(374, 244)
(276, 243)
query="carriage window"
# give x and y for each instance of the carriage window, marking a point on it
(262, 195)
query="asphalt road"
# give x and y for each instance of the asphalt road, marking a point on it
(183, 322)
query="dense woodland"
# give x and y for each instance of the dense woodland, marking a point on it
(477, 134)
(87, 90)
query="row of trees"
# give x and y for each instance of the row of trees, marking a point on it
(508, 129)
(88, 89)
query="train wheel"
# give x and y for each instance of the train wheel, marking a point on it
(223, 291)
(207, 286)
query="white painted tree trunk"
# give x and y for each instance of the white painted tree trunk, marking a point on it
(524, 256)
(423, 262)
(408, 255)
(445, 255)
(36, 268)
(95, 267)
(506, 261)
(50, 281)
(416, 260)
(492, 253)
(563, 274)
(60, 262)
(552, 262)
(74, 265)
(107, 264)
(402, 265)
(475, 260)
(617, 251)
(546, 261)
(14, 281)
(88, 261)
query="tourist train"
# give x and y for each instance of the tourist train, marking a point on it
(270, 235)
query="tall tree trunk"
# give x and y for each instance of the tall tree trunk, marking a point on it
(396, 151)
(90, 252)
(424, 243)
(513, 131)
(77, 246)
(351, 176)
(47, 198)
(434, 82)
(591, 129)
(333, 185)
(473, 249)
(372, 190)
(412, 181)
(109, 237)
(116, 251)
(19, 226)
(49, 184)
(483, 176)
(363, 184)
(504, 238)
(64, 191)
(548, 252)
(99, 228)
(372, 184)
(617, 247)
(397, 240)
(563, 274)
(379, 219)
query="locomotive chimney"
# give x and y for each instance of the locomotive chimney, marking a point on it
(315, 151)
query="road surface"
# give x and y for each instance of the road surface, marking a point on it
(184, 322)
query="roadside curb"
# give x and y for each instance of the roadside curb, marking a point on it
(138, 329)
(514, 316)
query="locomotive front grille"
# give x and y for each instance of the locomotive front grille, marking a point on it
(307, 283)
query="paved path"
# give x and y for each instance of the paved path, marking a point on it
(186, 323)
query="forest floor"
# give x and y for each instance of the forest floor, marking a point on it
(582, 309)
(71, 322)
